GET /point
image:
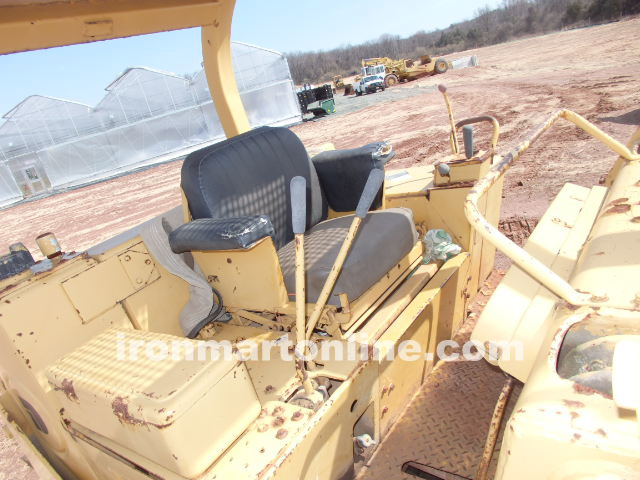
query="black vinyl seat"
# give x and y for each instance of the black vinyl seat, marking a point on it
(245, 181)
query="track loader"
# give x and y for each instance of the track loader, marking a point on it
(287, 321)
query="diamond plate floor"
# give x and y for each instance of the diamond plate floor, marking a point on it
(446, 423)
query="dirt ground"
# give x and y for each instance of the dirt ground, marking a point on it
(593, 71)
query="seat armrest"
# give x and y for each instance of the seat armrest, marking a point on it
(207, 234)
(343, 173)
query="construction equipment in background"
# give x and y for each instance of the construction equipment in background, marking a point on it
(321, 96)
(338, 84)
(406, 69)
(272, 249)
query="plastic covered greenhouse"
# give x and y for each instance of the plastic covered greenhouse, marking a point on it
(146, 117)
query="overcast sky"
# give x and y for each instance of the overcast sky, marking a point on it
(81, 72)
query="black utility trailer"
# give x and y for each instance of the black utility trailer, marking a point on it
(322, 97)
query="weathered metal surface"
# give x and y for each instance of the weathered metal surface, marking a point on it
(528, 263)
(445, 425)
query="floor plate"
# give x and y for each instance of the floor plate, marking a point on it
(446, 423)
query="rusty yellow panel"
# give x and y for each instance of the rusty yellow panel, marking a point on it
(606, 265)
(399, 378)
(249, 279)
(330, 433)
(98, 288)
(139, 266)
(520, 308)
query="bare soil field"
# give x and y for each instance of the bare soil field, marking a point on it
(593, 71)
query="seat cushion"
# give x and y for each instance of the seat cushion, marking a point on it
(248, 175)
(384, 238)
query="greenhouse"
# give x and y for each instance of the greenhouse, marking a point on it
(146, 116)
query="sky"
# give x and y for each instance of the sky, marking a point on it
(81, 72)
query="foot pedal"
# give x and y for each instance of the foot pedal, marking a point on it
(429, 473)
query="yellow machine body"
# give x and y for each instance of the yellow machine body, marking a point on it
(81, 411)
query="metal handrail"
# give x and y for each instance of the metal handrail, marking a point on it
(528, 263)
(484, 118)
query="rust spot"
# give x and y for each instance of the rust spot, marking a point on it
(599, 253)
(269, 389)
(120, 407)
(573, 403)
(635, 220)
(574, 415)
(599, 298)
(7, 301)
(229, 260)
(282, 433)
(278, 422)
(584, 390)
(619, 208)
(262, 450)
(19, 334)
(67, 388)
(601, 432)
(618, 201)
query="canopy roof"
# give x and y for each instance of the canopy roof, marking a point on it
(34, 24)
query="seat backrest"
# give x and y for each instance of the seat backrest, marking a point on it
(249, 175)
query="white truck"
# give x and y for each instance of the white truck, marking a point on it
(372, 80)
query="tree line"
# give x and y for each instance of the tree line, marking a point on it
(513, 19)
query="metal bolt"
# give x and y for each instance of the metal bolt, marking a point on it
(147, 261)
(385, 410)
(127, 258)
(281, 433)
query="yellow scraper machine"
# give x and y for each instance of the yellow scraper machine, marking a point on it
(292, 318)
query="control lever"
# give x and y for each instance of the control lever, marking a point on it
(371, 189)
(298, 187)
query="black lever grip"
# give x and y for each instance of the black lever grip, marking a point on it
(371, 189)
(298, 188)
(467, 135)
